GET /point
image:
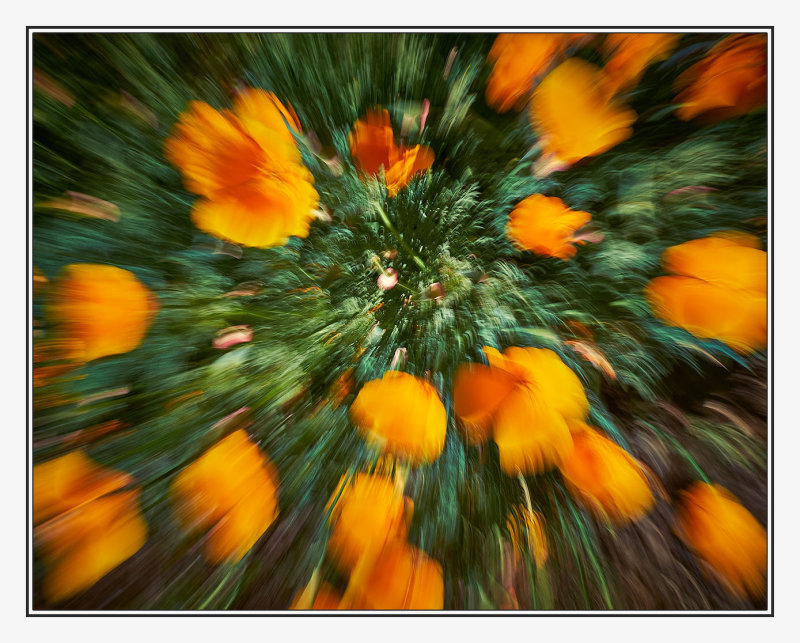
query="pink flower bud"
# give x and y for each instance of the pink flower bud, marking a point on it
(388, 279)
(232, 336)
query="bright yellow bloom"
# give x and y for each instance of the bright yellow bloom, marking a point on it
(544, 225)
(369, 512)
(519, 60)
(727, 536)
(101, 310)
(84, 529)
(403, 415)
(730, 81)
(401, 578)
(629, 55)
(605, 477)
(247, 166)
(720, 291)
(575, 114)
(524, 399)
(372, 146)
(232, 489)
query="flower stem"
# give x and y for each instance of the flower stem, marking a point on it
(387, 222)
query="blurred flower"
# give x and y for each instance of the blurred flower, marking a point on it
(546, 226)
(370, 511)
(232, 489)
(71, 480)
(605, 477)
(372, 146)
(388, 279)
(575, 114)
(478, 392)
(524, 397)
(403, 414)
(629, 54)
(727, 536)
(105, 310)
(247, 166)
(83, 545)
(730, 81)
(401, 578)
(232, 336)
(83, 533)
(720, 291)
(519, 60)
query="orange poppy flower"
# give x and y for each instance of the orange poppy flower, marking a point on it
(369, 511)
(403, 414)
(102, 310)
(605, 477)
(575, 114)
(372, 146)
(546, 226)
(723, 533)
(401, 578)
(730, 81)
(84, 529)
(519, 59)
(523, 399)
(720, 291)
(232, 489)
(69, 481)
(83, 545)
(629, 55)
(247, 166)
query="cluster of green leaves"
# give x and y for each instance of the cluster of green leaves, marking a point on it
(316, 310)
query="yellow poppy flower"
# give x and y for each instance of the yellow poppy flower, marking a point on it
(232, 489)
(523, 399)
(605, 477)
(372, 146)
(101, 310)
(247, 166)
(403, 415)
(722, 532)
(730, 81)
(546, 226)
(575, 114)
(369, 512)
(720, 291)
(629, 55)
